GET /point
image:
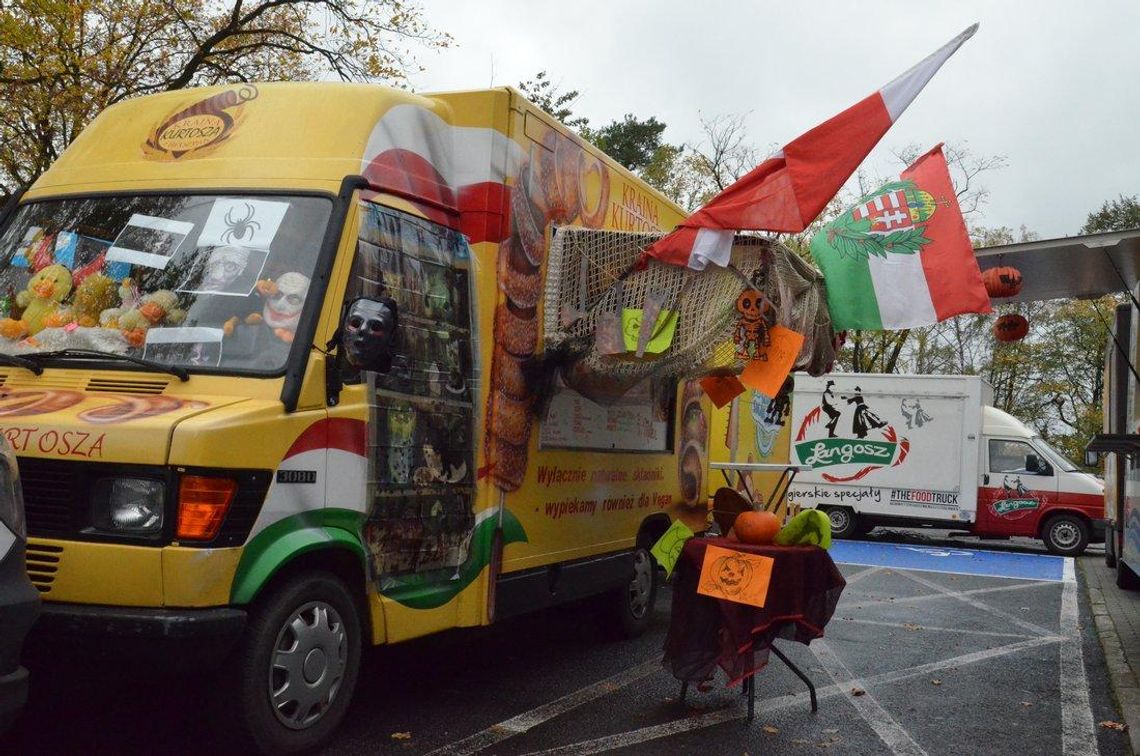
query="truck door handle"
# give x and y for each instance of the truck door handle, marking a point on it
(985, 479)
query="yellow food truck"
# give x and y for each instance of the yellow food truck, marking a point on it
(269, 359)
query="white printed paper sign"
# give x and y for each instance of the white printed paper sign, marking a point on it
(150, 241)
(242, 222)
(190, 346)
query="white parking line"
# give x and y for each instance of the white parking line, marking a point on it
(862, 574)
(915, 627)
(1078, 736)
(768, 705)
(967, 599)
(534, 717)
(885, 726)
(932, 596)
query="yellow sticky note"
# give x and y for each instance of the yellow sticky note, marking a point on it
(663, 330)
(735, 576)
(667, 550)
(767, 373)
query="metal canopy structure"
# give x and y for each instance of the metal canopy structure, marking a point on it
(1079, 267)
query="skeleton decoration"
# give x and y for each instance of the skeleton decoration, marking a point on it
(751, 333)
(283, 302)
(370, 333)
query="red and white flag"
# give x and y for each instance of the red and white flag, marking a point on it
(789, 190)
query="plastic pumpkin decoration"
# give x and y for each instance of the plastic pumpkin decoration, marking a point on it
(758, 528)
(1002, 282)
(1011, 327)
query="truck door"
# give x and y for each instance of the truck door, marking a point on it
(1017, 484)
(420, 418)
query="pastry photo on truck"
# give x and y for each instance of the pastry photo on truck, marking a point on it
(930, 450)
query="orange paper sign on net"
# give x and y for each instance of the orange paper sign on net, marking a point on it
(767, 375)
(735, 576)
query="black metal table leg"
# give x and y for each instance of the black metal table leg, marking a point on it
(751, 683)
(799, 674)
(684, 690)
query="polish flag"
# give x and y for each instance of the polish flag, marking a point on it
(789, 190)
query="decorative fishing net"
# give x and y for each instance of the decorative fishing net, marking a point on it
(589, 283)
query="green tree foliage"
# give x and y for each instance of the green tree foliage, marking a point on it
(630, 141)
(544, 93)
(1114, 215)
(63, 61)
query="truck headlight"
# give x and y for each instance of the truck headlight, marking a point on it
(128, 506)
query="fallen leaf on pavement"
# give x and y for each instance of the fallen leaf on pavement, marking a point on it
(401, 736)
(1026, 703)
(936, 681)
(858, 692)
(1118, 726)
(770, 729)
(912, 626)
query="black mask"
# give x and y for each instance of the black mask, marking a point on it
(370, 333)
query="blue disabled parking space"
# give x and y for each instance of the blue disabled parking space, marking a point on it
(950, 559)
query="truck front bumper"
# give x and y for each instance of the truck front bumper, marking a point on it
(193, 636)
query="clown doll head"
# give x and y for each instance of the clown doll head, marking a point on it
(284, 299)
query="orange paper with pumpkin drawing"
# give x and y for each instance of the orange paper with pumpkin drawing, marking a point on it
(735, 576)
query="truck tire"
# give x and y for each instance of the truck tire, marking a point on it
(295, 671)
(1126, 579)
(1110, 546)
(632, 606)
(1066, 535)
(844, 522)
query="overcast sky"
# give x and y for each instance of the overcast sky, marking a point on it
(1054, 85)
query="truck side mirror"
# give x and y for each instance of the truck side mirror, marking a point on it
(1092, 459)
(368, 334)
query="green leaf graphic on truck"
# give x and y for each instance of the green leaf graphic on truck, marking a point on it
(854, 449)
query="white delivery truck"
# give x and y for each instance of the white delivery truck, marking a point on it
(929, 450)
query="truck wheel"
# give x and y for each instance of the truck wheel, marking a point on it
(1126, 579)
(1066, 534)
(297, 666)
(632, 605)
(1110, 546)
(844, 522)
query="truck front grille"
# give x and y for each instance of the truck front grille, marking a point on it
(50, 497)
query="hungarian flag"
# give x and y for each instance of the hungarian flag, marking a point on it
(901, 257)
(789, 190)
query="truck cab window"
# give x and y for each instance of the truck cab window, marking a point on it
(1007, 456)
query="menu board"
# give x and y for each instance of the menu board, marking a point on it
(575, 422)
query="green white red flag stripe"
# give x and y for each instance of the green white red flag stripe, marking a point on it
(901, 258)
(789, 190)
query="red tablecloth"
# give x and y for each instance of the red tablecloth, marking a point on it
(706, 632)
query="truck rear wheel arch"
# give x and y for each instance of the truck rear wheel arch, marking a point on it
(652, 528)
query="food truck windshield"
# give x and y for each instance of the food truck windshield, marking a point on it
(193, 281)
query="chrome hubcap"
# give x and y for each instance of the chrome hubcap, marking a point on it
(641, 586)
(1065, 535)
(309, 660)
(839, 519)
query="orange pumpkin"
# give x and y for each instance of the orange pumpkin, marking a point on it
(1011, 327)
(1002, 282)
(756, 527)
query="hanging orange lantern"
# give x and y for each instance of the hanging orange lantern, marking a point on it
(1002, 282)
(1012, 327)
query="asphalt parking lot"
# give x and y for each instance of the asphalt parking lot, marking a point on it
(914, 661)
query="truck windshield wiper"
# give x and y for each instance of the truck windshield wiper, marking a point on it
(24, 362)
(180, 373)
